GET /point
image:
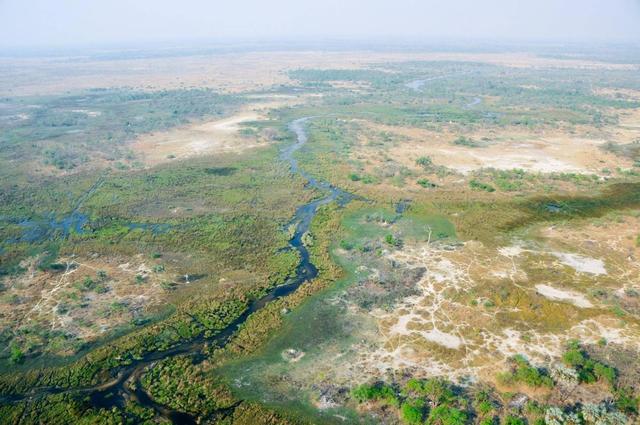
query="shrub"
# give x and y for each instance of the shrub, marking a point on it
(466, 141)
(426, 184)
(377, 391)
(513, 420)
(588, 370)
(599, 415)
(626, 401)
(478, 185)
(445, 415)
(437, 390)
(392, 240)
(556, 416)
(412, 411)
(524, 373)
(424, 161)
(605, 372)
(16, 356)
(346, 245)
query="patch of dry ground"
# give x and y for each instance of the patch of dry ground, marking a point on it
(84, 299)
(479, 305)
(538, 151)
(209, 137)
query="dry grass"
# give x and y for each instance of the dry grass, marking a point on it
(540, 151)
(60, 301)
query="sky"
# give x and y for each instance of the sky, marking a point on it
(81, 22)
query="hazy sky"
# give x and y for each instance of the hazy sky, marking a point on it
(58, 22)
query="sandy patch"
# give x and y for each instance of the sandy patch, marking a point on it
(534, 150)
(87, 112)
(511, 251)
(84, 299)
(574, 298)
(206, 138)
(581, 264)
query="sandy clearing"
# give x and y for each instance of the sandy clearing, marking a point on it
(581, 263)
(574, 298)
(535, 150)
(88, 113)
(511, 251)
(207, 138)
(442, 338)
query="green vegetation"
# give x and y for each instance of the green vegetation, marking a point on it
(70, 130)
(429, 401)
(181, 250)
(466, 141)
(426, 184)
(376, 392)
(522, 372)
(588, 370)
(478, 185)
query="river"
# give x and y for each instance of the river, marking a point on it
(126, 382)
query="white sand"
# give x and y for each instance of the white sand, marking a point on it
(574, 298)
(581, 264)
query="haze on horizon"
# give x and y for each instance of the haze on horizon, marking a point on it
(78, 22)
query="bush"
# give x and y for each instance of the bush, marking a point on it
(513, 420)
(589, 370)
(426, 184)
(444, 415)
(393, 241)
(16, 356)
(478, 185)
(412, 411)
(437, 390)
(377, 391)
(424, 161)
(466, 141)
(524, 373)
(626, 401)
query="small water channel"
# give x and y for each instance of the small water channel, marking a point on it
(126, 382)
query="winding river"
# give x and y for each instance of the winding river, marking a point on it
(126, 383)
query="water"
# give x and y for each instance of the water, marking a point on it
(49, 228)
(416, 85)
(476, 101)
(126, 381)
(36, 230)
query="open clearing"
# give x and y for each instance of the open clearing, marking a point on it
(538, 151)
(209, 138)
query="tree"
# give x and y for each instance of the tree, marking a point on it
(444, 415)
(16, 356)
(412, 411)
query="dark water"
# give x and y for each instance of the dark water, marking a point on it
(126, 383)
